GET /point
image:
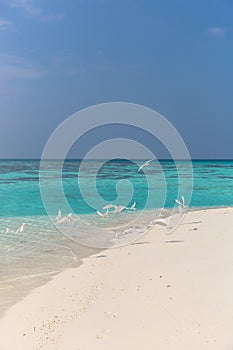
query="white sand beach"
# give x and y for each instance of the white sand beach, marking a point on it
(168, 292)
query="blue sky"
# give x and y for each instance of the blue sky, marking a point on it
(59, 56)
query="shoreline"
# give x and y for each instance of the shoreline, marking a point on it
(43, 278)
(166, 290)
(190, 208)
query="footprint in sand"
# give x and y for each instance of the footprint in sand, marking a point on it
(110, 314)
(103, 334)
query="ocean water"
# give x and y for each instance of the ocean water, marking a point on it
(44, 249)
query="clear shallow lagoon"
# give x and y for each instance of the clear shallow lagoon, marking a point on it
(41, 250)
(20, 193)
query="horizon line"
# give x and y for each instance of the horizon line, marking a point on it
(107, 159)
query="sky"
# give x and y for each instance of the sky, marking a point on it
(60, 56)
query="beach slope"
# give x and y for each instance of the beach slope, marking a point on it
(162, 292)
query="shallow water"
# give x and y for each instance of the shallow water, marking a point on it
(20, 193)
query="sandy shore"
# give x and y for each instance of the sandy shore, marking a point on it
(162, 292)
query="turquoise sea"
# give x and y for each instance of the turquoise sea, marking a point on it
(41, 249)
(20, 193)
